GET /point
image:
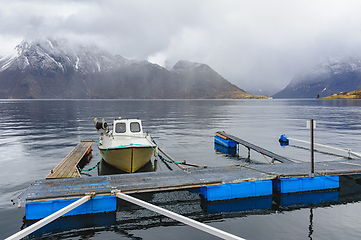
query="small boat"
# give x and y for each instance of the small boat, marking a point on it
(125, 147)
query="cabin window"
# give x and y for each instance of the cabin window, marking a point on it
(134, 127)
(120, 128)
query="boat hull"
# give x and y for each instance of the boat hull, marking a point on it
(128, 159)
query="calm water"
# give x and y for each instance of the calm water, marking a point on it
(35, 135)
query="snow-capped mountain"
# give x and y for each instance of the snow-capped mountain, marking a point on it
(56, 68)
(59, 55)
(336, 73)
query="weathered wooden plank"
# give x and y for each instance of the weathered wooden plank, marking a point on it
(219, 134)
(66, 165)
(67, 168)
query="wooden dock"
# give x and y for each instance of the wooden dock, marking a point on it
(256, 148)
(67, 168)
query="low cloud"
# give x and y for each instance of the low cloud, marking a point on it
(250, 43)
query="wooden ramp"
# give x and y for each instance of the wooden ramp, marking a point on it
(67, 168)
(253, 147)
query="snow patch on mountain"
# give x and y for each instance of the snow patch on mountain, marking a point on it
(6, 61)
(77, 63)
(59, 54)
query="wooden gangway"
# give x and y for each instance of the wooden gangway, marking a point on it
(253, 147)
(67, 168)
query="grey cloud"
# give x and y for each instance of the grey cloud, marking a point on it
(250, 43)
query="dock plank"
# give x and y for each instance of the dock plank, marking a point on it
(67, 168)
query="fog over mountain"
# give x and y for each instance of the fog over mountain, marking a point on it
(338, 72)
(59, 69)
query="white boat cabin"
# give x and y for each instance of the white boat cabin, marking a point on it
(127, 127)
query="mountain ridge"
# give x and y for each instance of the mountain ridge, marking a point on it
(336, 73)
(56, 68)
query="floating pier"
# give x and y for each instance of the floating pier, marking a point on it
(60, 189)
(220, 183)
(65, 186)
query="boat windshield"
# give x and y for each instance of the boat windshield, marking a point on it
(134, 127)
(120, 128)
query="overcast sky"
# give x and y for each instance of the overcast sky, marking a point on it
(250, 43)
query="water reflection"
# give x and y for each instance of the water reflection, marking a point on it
(271, 203)
(310, 227)
(74, 226)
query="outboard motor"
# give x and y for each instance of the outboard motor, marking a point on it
(100, 125)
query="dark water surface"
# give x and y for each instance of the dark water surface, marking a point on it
(35, 135)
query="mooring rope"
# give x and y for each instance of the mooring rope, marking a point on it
(168, 161)
(164, 159)
(92, 168)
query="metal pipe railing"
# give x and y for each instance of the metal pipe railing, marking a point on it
(175, 216)
(26, 231)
